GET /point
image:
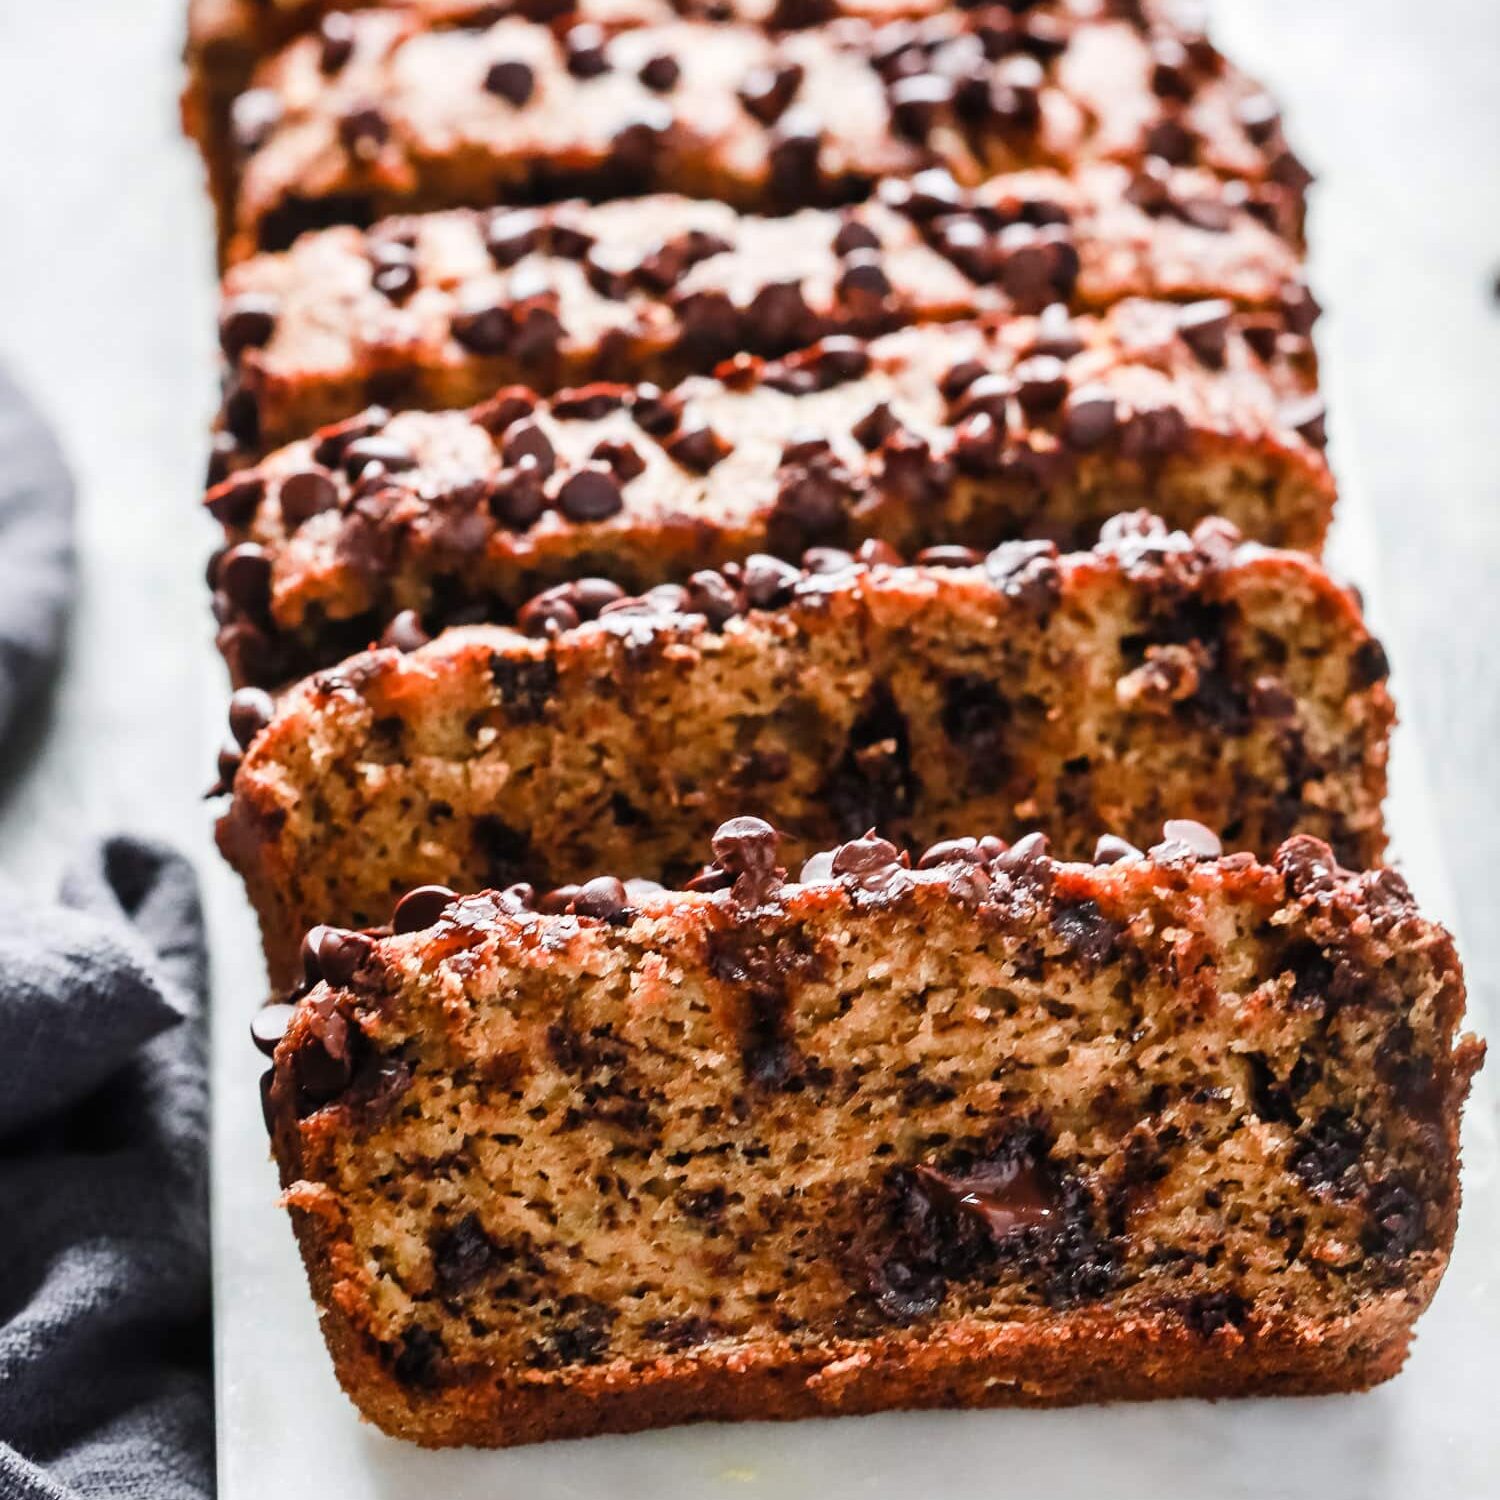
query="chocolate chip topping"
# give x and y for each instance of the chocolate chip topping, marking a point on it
(363, 130)
(250, 710)
(660, 73)
(247, 321)
(268, 1025)
(1112, 849)
(604, 898)
(1184, 839)
(510, 79)
(335, 42)
(583, 48)
(405, 632)
(421, 908)
(767, 91)
(1090, 418)
(874, 865)
(306, 494)
(746, 849)
(334, 955)
(697, 448)
(1204, 328)
(593, 493)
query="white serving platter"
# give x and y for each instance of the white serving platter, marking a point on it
(286, 1432)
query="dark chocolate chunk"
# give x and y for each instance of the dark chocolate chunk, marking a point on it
(306, 494)
(268, 1025)
(592, 493)
(250, 710)
(421, 908)
(510, 79)
(247, 321)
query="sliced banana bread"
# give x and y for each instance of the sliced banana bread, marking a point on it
(1155, 677)
(998, 1130)
(954, 433)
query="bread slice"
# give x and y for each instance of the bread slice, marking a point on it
(1155, 677)
(1001, 1130)
(438, 310)
(414, 117)
(958, 433)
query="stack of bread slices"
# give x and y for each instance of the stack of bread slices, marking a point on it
(816, 818)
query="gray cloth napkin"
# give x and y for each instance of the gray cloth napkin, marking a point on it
(105, 1374)
(105, 1385)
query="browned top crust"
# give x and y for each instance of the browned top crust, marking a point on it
(419, 118)
(952, 433)
(438, 310)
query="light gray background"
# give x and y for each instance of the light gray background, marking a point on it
(106, 312)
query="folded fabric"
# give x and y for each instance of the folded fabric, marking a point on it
(36, 551)
(105, 1373)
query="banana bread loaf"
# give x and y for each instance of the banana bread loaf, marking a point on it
(416, 118)
(997, 1130)
(438, 310)
(1155, 677)
(941, 434)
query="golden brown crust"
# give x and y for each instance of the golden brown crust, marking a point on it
(960, 433)
(439, 310)
(407, 123)
(1319, 1341)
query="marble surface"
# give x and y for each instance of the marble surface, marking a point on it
(106, 314)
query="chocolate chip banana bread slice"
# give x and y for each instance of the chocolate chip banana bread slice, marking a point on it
(438, 310)
(998, 1130)
(1158, 676)
(415, 118)
(941, 434)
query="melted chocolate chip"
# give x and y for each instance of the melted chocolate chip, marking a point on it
(421, 908)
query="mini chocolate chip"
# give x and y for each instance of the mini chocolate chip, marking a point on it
(711, 595)
(875, 426)
(234, 502)
(334, 955)
(1204, 328)
(698, 448)
(250, 710)
(1111, 849)
(1309, 419)
(548, 613)
(510, 79)
(245, 575)
(918, 101)
(526, 440)
(660, 73)
(591, 494)
(516, 496)
(1171, 141)
(405, 632)
(306, 494)
(766, 92)
(335, 42)
(1090, 417)
(247, 321)
(745, 844)
(479, 323)
(1041, 384)
(854, 235)
(1370, 665)
(863, 276)
(767, 581)
(622, 457)
(583, 47)
(421, 908)
(604, 897)
(364, 129)
(655, 411)
(268, 1025)
(796, 143)
(511, 234)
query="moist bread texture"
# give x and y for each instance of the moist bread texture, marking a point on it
(1002, 1130)
(1156, 677)
(415, 118)
(955, 433)
(437, 310)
